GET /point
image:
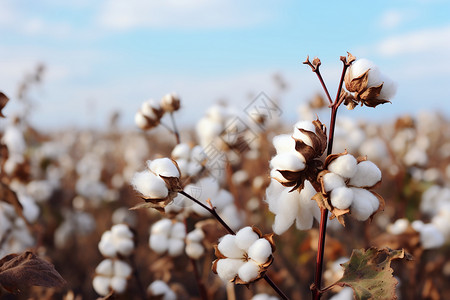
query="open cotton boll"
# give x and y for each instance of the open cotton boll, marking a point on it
(149, 185)
(246, 237)
(158, 288)
(194, 250)
(124, 246)
(141, 121)
(105, 267)
(361, 209)
(305, 125)
(307, 208)
(227, 246)
(332, 181)
(197, 235)
(342, 197)
(164, 167)
(13, 139)
(344, 166)
(122, 269)
(175, 247)
(287, 208)
(431, 237)
(159, 243)
(227, 268)
(248, 271)
(147, 109)
(163, 227)
(106, 245)
(398, 227)
(367, 174)
(178, 231)
(415, 157)
(290, 161)
(360, 66)
(122, 231)
(119, 284)
(283, 143)
(101, 285)
(260, 251)
(368, 196)
(389, 88)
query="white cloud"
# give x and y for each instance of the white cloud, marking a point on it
(392, 19)
(428, 41)
(119, 14)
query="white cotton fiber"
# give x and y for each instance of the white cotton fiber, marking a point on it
(158, 288)
(119, 284)
(121, 231)
(30, 208)
(361, 209)
(228, 268)
(163, 227)
(248, 271)
(149, 185)
(246, 237)
(342, 197)
(227, 246)
(290, 161)
(147, 108)
(197, 235)
(124, 246)
(368, 196)
(122, 269)
(178, 231)
(277, 176)
(398, 227)
(140, 120)
(106, 245)
(367, 175)
(105, 268)
(181, 151)
(389, 88)
(175, 247)
(305, 125)
(344, 166)
(101, 285)
(164, 167)
(283, 143)
(159, 243)
(260, 251)
(194, 250)
(417, 225)
(431, 237)
(222, 199)
(332, 181)
(286, 211)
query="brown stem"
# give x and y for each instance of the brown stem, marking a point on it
(136, 276)
(316, 70)
(175, 129)
(316, 287)
(231, 231)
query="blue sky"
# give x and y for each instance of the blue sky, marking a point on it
(112, 55)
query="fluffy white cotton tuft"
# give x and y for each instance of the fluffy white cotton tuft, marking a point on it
(175, 247)
(246, 237)
(227, 268)
(291, 161)
(101, 285)
(361, 209)
(332, 181)
(194, 250)
(286, 210)
(260, 251)
(367, 196)
(178, 231)
(141, 121)
(431, 237)
(106, 245)
(149, 185)
(159, 243)
(283, 143)
(122, 269)
(248, 271)
(157, 288)
(163, 226)
(344, 166)
(342, 197)
(197, 235)
(105, 268)
(305, 125)
(181, 151)
(367, 175)
(389, 88)
(164, 167)
(417, 225)
(119, 284)
(227, 246)
(122, 231)
(398, 227)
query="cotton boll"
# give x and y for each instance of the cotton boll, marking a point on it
(248, 271)
(119, 284)
(101, 285)
(163, 227)
(367, 175)
(344, 166)
(227, 246)
(389, 88)
(181, 151)
(342, 197)
(417, 225)
(148, 107)
(105, 268)
(398, 227)
(260, 251)
(159, 243)
(122, 269)
(121, 231)
(158, 288)
(164, 167)
(305, 125)
(442, 224)
(307, 208)
(227, 268)
(415, 156)
(246, 237)
(367, 196)
(283, 143)
(150, 185)
(361, 209)
(124, 246)
(194, 250)
(176, 247)
(290, 161)
(275, 174)
(360, 66)
(332, 181)
(431, 237)
(141, 121)
(286, 210)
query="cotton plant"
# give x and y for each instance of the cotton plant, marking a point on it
(167, 236)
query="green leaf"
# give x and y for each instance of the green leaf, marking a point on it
(369, 273)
